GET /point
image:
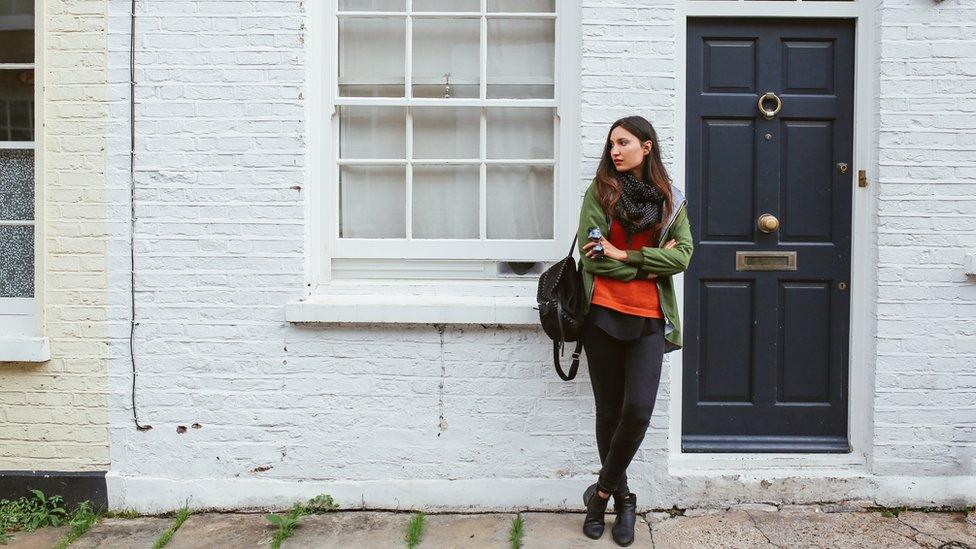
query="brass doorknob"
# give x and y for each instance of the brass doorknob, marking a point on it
(767, 223)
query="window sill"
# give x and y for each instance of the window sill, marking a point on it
(425, 302)
(24, 349)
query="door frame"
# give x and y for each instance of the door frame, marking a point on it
(861, 357)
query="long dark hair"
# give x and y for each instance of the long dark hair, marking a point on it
(607, 186)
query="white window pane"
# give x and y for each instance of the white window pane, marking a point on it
(372, 5)
(16, 105)
(16, 184)
(372, 200)
(445, 201)
(519, 202)
(445, 57)
(446, 5)
(372, 132)
(16, 261)
(371, 56)
(540, 6)
(521, 58)
(520, 132)
(17, 31)
(446, 132)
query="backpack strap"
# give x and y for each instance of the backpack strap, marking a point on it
(574, 366)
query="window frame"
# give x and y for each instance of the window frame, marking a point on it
(22, 318)
(323, 158)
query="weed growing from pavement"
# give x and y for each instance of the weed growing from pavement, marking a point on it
(30, 513)
(178, 521)
(286, 523)
(515, 533)
(415, 529)
(81, 520)
(674, 511)
(889, 512)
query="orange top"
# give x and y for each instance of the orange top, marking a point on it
(638, 296)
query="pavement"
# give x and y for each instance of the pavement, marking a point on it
(842, 525)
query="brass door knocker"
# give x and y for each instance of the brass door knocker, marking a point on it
(768, 115)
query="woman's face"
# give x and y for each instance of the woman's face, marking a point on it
(627, 152)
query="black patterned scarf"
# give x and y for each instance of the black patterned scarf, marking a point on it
(640, 205)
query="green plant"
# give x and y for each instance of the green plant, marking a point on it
(122, 514)
(515, 532)
(286, 523)
(415, 529)
(83, 518)
(889, 512)
(674, 511)
(178, 521)
(30, 513)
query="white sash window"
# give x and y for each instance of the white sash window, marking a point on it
(444, 131)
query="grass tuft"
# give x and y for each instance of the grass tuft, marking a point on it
(83, 518)
(415, 529)
(287, 523)
(515, 532)
(178, 520)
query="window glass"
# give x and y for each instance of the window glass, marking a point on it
(371, 51)
(445, 202)
(372, 200)
(520, 202)
(16, 31)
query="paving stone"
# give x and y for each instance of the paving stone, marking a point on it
(757, 507)
(212, 530)
(42, 538)
(464, 531)
(714, 530)
(971, 517)
(655, 517)
(701, 511)
(795, 509)
(117, 533)
(359, 529)
(565, 531)
(935, 529)
(848, 530)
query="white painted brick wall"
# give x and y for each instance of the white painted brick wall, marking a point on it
(221, 248)
(925, 409)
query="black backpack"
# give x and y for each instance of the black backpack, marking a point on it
(560, 298)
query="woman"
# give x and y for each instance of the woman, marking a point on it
(631, 312)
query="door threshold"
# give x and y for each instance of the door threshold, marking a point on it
(765, 444)
(769, 463)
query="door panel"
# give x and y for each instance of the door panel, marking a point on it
(765, 360)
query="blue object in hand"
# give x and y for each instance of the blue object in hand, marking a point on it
(595, 235)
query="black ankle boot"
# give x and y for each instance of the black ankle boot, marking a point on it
(623, 524)
(596, 508)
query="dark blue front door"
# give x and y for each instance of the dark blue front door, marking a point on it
(769, 185)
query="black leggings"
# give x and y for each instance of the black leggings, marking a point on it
(625, 377)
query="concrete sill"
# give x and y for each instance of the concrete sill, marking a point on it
(24, 349)
(446, 302)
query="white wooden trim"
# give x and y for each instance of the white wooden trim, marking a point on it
(23, 318)
(24, 349)
(860, 358)
(442, 101)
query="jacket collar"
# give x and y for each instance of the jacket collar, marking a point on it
(679, 200)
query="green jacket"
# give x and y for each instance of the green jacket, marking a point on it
(639, 263)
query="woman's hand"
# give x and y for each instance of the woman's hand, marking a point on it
(609, 250)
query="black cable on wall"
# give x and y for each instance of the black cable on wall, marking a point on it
(132, 213)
